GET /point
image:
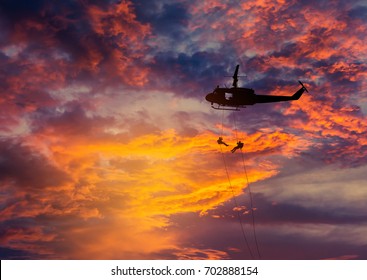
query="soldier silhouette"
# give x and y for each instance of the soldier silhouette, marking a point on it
(239, 146)
(220, 141)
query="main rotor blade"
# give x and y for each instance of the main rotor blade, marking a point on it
(235, 76)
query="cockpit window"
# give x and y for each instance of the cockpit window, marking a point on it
(228, 96)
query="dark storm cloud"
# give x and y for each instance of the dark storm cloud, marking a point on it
(168, 19)
(78, 40)
(345, 152)
(14, 254)
(72, 121)
(32, 237)
(28, 167)
(293, 247)
(189, 75)
(226, 236)
(278, 213)
(268, 213)
(221, 229)
(359, 12)
(19, 9)
(41, 20)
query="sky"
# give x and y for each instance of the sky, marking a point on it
(108, 147)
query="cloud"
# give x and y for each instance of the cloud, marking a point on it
(318, 187)
(25, 168)
(83, 41)
(163, 183)
(107, 180)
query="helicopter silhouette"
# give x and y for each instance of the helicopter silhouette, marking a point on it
(236, 97)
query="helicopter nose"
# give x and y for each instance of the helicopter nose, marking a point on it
(209, 96)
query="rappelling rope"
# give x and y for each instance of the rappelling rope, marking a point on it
(234, 198)
(249, 191)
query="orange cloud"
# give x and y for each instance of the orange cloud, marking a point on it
(128, 190)
(118, 24)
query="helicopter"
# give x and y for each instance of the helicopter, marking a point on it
(236, 97)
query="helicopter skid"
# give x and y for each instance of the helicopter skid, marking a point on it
(228, 109)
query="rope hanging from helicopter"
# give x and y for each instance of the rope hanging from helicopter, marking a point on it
(249, 191)
(234, 197)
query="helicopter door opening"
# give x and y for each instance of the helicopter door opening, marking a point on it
(228, 96)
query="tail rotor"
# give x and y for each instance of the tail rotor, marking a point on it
(303, 86)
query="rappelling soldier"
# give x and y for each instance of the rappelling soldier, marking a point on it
(221, 142)
(239, 146)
